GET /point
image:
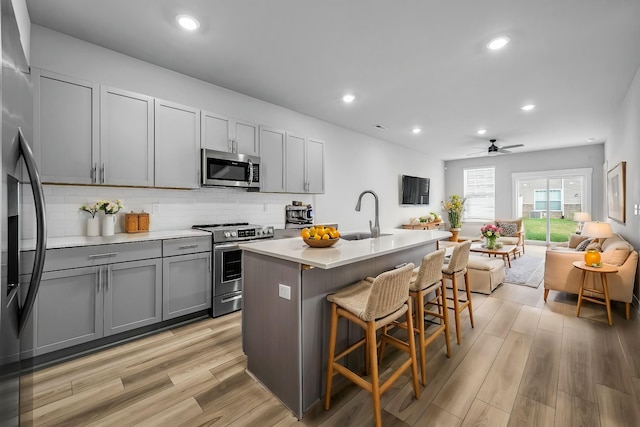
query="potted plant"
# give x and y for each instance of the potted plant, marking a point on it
(93, 223)
(454, 207)
(110, 209)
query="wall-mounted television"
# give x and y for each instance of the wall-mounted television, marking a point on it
(415, 190)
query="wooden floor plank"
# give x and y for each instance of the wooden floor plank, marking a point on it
(501, 384)
(617, 409)
(609, 365)
(574, 411)
(530, 413)
(483, 415)
(435, 416)
(576, 372)
(173, 415)
(460, 390)
(269, 413)
(501, 323)
(527, 320)
(540, 376)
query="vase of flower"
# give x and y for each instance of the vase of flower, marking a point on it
(491, 234)
(93, 226)
(108, 225)
(454, 234)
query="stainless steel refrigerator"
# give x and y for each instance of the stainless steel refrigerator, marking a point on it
(18, 170)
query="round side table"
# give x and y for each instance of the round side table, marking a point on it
(604, 270)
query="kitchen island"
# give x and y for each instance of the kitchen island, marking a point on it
(285, 316)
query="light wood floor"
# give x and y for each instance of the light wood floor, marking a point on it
(526, 363)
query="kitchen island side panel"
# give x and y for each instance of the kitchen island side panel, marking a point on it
(316, 315)
(271, 326)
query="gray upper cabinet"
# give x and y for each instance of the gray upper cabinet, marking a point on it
(314, 182)
(223, 133)
(126, 138)
(295, 163)
(66, 128)
(272, 160)
(177, 145)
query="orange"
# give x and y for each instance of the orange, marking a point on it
(312, 231)
(325, 237)
(305, 234)
(317, 237)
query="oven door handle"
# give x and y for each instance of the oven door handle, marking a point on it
(224, 246)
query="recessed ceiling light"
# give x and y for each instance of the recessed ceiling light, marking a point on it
(482, 131)
(416, 130)
(528, 107)
(498, 43)
(187, 22)
(348, 98)
(591, 139)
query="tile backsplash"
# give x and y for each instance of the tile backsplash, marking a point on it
(175, 209)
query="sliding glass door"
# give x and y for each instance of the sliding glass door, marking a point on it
(548, 200)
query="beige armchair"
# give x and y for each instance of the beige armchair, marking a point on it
(560, 274)
(512, 233)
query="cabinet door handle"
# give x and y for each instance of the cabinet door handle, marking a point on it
(209, 262)
(105, 255)
(187, 247)
(94, 175)
(99, 278)
(109, 277)
(102, 169)
(225, 300)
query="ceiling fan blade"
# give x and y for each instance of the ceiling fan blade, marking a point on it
(512, 146)
(479, 153)
(503, 151)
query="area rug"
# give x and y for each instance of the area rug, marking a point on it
(525, 270)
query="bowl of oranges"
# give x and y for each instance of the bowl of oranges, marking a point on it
(320, 236)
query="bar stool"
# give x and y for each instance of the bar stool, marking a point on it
(373, 305)
(457, 266)
(428, 279)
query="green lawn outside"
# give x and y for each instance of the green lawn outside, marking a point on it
(536, 229)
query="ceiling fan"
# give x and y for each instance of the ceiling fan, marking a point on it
(493, 149)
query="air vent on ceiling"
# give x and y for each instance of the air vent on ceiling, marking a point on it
(380, 127)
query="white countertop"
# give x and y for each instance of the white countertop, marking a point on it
(75, 241)
(344, 251)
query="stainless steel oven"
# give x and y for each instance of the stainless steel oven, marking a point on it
(227, 262)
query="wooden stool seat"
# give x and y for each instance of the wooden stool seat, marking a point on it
(373, 304)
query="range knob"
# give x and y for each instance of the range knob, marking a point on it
(267, 230)
(234, 233)
(259, 232)
(227, 234)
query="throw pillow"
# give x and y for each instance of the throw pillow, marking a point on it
(509, 229)
(575, 239)
(594, 245)
(582, 246)
(615, 257)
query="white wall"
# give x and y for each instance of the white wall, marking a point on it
(588, 156)
(623, 144)
(354, 162)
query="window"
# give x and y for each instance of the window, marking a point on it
(540, 200)
(479, 190)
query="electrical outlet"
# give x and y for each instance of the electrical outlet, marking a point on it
(284, 291)
(155, 208)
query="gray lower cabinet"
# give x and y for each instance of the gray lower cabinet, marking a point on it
(68, 311)
(95, 298)
(132, 295)
(186, 278)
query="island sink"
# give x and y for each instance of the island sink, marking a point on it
(360, 236)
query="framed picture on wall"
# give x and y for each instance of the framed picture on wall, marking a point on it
(616, 178)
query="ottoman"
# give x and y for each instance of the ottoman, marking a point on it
(485, 273)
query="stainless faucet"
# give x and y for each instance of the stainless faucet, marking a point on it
(375, 229)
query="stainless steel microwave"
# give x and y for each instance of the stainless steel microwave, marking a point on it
(220, 168)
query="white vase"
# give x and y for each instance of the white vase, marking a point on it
(108, 225)
(93, 226)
